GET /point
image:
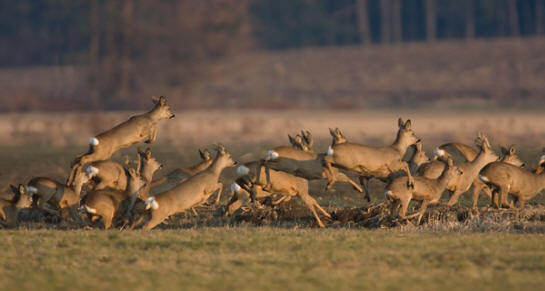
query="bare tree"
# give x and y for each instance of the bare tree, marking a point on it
(94, 51)
(431, 19)
(396, 21)
(363, 21)
(470, 19)
(127, 13)
(385, 20)
(539, 17)
(513, 17)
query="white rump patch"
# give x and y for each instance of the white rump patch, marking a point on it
(235, 187)
(439, 152)
(542, 159)
(483, 178)
(92, 171)
(93, 141)
(31, 190)
(388, 193)
(151, 203)
(242, 170)
(90, 210)
(272, 155)
(330, 151)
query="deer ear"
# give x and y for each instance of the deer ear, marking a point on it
(400, 123)
(450, 162)
(407, 124)
(21, 189)
(148, 153)
(338, 132)
(332, 132)
(512, 150)
(291, 139)
(132, 172)
(162, 101)
(14, 189)
(201, 154)
(504, 150)
(418, 146)
(155, 99)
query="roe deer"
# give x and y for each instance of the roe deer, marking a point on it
(371, 162)
(190, 193)
(138, 128)
(66, 198)
(302, 163)
(105, 203)
(426, 190)
(9, 209)
(176, 176)
(470, 171)
(433, 169)
(505, 179)
(282, 183)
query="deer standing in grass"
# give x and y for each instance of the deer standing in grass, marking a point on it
(282, 183)
(371, 162)
(176, 176)
(106, 203)
(505, 179)
(47, 191)
(434, 168)
(426, 190)
(190, 193)
(9, 209)
(470, 171)
(138, 128)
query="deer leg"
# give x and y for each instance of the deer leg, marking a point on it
(344, 178)
(476, 190)
(404, 205)
(504, 192)
(280, 200)
(364, 181)
(220, 187)
(454, 198)
(423, 208)
(410, 180)
(313, 205)
(329, 172)
(42, 204)
(194, 212)
(152, 136)
(155, 220)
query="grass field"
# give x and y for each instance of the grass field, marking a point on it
(270, 259)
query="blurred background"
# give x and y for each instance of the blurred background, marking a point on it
(265, 59)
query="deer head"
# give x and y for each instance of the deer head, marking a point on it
(162, 108)
(223, 158)
(338, 137)
(405, 134)
(22, 198)
(510, 156)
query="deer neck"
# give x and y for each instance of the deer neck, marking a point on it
(400, 144)
(155, 113)
(479, 162)
(216, 167)
(539, 181)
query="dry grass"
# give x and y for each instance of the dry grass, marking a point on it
(270, 259)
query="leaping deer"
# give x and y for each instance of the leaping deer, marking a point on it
(138, 128)
(371, 162)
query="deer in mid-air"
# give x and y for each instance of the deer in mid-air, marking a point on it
(426, 190)
(9, 209)
(505, 179)
(281, 183)
(371, 162)
(138, 128)
(190, 193)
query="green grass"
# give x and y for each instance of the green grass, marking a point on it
(270, 259)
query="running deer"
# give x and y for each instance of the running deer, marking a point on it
(47, 191)
(190, 193)
(471, 170)
(175, 177)
(9, 209)
(434, 168)
(505, 179)
(282, 183)
(138, 128)
(301, 163)
(426, 190)
(371, 162)
(106, 203)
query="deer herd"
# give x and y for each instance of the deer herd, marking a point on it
(122, 196)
